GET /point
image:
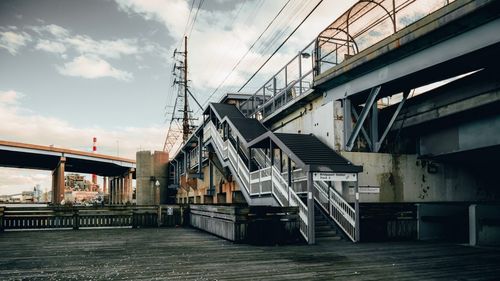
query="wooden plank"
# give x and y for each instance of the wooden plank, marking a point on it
(189, 254)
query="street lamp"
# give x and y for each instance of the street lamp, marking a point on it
(157, 184)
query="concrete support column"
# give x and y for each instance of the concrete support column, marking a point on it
(58, 182)
(128, 187)
(105, 185)
(122, 190)
(114, 191)
(111, 190)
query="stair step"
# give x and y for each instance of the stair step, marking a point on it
(323, 228)
(326, 239)
(321, 223)
(326, 233)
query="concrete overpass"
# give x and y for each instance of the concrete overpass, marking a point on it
(118, 171)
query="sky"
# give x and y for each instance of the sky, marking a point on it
(72, 70)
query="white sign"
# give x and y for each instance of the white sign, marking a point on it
(170, 211)
(335, 176)
(372, 190)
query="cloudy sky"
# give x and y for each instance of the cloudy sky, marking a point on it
(71, 70)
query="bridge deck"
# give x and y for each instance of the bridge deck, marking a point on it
(184, 253)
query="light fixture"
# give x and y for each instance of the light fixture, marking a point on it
(305, 55)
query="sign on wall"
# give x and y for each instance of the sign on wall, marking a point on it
(335, 176)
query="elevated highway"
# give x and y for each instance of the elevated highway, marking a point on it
(59, 160)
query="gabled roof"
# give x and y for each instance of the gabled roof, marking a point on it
(224, 110)
(248, 128)
(308, 152)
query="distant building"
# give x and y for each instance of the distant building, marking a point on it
(27, 197)
(76, 182)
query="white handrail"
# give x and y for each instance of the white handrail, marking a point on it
(336, 207)
(257, 182)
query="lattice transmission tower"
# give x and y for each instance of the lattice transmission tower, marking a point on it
(181, 119)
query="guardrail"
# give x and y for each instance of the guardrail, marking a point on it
(78, 217)
(365, 24)
(288, 84)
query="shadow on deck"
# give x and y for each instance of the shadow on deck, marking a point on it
(186, 253)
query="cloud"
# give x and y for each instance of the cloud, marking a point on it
(227, 35)
(13, 41)
(13, 181)
(172, 13)
(50, 46)
(53, 29)
(22, 125)
(92, 67)
(9, 97)
(107, 48)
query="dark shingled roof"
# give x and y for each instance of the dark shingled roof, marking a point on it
(228, 110)
(249, 128)
(313, 152)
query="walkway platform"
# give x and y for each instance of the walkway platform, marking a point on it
(189, 254)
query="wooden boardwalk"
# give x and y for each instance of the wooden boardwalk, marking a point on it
(189, 254)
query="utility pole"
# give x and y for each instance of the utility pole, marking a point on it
(185, 118)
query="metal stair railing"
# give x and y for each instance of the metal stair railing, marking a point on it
(336, 207)
(267, 180)
(285, 195)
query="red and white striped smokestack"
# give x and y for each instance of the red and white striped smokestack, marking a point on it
(94, 149)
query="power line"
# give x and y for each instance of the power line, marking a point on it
(195, 16)
(281, 45)
(248, 51)
(189, 16)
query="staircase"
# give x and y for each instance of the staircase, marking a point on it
(323, 228)
(266, 182)
(267, 185)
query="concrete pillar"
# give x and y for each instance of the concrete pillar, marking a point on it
(105, 185)
(122, 190)
(111, 190)
(113, 201)
(128, 187)
(58, 182)
(151, 168)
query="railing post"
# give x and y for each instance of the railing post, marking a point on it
(1, 219)
(134, 218)
(356, 210)
(260, 182)
(329, 202)
(300, 72)
(158, 216)
(76, 219)
(310, 210)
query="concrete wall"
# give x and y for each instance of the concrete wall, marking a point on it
(315, 118)
(151, 166)
(404, 178)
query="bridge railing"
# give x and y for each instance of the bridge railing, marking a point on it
(366, 23)
(289, 83)
(77, 217)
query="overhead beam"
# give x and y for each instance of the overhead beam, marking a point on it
(364, 113)
(378, 143)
